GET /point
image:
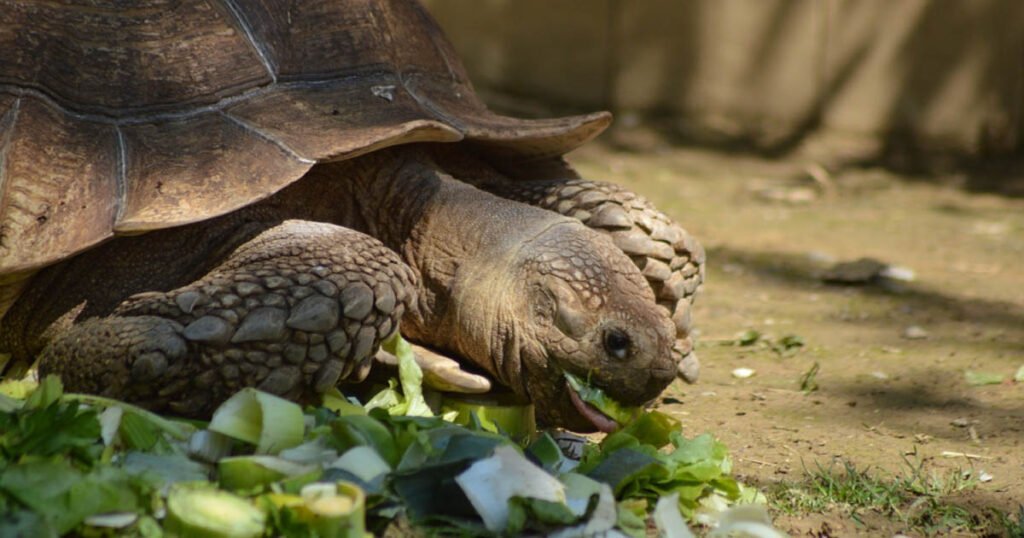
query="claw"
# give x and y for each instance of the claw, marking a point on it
(441, 373)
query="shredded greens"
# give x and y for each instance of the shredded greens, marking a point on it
(263, 466)
(605, 404)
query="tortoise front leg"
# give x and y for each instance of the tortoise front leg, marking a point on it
(292, 311)
(670, 258)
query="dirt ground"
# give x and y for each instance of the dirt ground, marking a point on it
(887, 393)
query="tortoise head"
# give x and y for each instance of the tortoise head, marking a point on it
(588, 311)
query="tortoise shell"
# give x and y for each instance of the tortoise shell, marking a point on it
(122, 116)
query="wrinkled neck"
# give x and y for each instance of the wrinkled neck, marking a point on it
(462, 243)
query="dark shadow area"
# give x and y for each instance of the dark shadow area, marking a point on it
(796, 271)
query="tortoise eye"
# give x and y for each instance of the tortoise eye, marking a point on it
(616, 342)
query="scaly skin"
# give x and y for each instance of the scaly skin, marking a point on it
(669, 257)
(521, 292)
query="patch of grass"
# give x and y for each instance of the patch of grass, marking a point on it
(914, 497)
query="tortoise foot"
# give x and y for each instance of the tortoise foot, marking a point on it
(670, 258)
(293, 311)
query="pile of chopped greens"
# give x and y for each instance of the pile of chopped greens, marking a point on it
(263, 466)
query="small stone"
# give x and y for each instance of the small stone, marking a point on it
(188, 300)
(915, 332)
(321, 271)
(743, 373)
(262, 324)
(257, 357)
(315, 314)
(230, 300)
(305, 279)
(316, 338)
(208, 330)
(357, 300)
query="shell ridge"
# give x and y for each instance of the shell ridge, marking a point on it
(257, 45)
(408, 80)
(267, 136)
(121, 180)
(8, 121)
(171, 115)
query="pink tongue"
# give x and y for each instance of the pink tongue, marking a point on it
(591, 413)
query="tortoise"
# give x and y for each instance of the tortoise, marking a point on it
(201, 195)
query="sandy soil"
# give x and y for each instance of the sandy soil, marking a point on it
(770, 229)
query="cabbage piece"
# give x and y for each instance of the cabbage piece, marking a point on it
(597, 398)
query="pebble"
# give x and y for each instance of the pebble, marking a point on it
(743, 373)
(915, 332)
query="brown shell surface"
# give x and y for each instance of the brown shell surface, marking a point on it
(122, 116)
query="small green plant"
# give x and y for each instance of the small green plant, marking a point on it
(784, 346)
(808, 381)
(914, 497)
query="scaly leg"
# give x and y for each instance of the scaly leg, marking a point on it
(292, 311)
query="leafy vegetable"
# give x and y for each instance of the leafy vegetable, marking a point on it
(267, 421)
(94, 466)
(511, 418)
(410, 402)
(597, 398)
(202, 512)
(983, 378)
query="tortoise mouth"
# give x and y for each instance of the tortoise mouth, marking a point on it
(600, 420)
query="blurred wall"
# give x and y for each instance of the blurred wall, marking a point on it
(942, 75)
